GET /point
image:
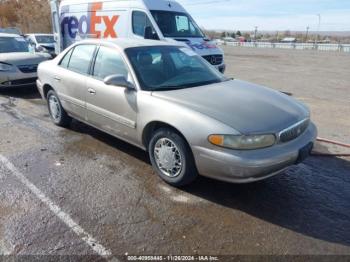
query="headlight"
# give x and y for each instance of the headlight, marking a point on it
(5, 67)
(242, 142)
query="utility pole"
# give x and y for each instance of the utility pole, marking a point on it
(255, 33)
(307, 33)
(318, 28)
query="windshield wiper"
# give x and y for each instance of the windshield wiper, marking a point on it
(166, 88)
(189, 85)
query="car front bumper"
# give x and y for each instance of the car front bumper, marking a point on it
(239, 166)
(17, 79)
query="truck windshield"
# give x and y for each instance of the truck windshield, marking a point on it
(175, 24)
(162, 68)
(44, 39)
(13, 45)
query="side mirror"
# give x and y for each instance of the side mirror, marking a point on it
(149, 34)
(118, 80)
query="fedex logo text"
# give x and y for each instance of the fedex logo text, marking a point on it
(201, 46)
(88, 24)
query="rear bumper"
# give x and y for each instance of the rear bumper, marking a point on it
(253, 165)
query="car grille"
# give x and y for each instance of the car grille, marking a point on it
(214, 59)
(26, 81)
(294, 131)
(28, 68)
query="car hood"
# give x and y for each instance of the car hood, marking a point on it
(25, 58)
(198, 45)
(246, 107)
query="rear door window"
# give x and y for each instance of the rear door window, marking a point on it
(81, 58)
(109, 62)
(65, 61)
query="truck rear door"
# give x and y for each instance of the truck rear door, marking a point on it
(56, 26)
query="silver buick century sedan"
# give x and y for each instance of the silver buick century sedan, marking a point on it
(171, 102)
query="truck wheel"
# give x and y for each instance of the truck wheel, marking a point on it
(58, 115)
(172, 158)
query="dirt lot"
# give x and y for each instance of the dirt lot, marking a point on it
(319, 79)
(78, 191)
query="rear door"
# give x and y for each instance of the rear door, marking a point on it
(55, 19)
(71, 77)
(111, 108)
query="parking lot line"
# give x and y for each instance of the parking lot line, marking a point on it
(64, 217)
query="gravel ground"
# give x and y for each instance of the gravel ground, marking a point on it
(319, 79)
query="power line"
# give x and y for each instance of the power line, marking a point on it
(208, 2)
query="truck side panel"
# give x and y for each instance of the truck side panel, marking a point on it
(91, 20)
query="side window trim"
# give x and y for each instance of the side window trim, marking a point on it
(133, 13)
(93, 61)
(126, 64)
(92, 71)
(70, 52)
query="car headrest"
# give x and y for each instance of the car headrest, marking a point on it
(145, 59)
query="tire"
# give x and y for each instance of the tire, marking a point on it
(168, 149)
(57, 113)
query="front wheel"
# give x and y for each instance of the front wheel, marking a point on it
(172, 158)
(58, 115)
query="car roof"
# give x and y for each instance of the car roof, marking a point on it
(125, 43)
(9, 35)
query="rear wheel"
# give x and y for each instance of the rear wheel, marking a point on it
(172, 158)
(58, 115)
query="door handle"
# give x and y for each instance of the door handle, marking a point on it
(57, 78)
(92, 91)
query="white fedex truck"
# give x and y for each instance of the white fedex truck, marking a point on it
(74, 20)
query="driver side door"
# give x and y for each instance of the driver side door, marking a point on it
(111, 108)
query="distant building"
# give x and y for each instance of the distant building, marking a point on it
(289, 40)
(219, 41)
(241, 39)
(229, 39)
(326, 41)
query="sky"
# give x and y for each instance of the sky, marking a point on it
(270, 15)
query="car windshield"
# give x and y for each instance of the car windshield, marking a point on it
(175, 24)
(44, 39)
(13, 45)
(10, 30)
(162, 68)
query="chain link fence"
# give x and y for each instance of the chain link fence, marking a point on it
(297, 46)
